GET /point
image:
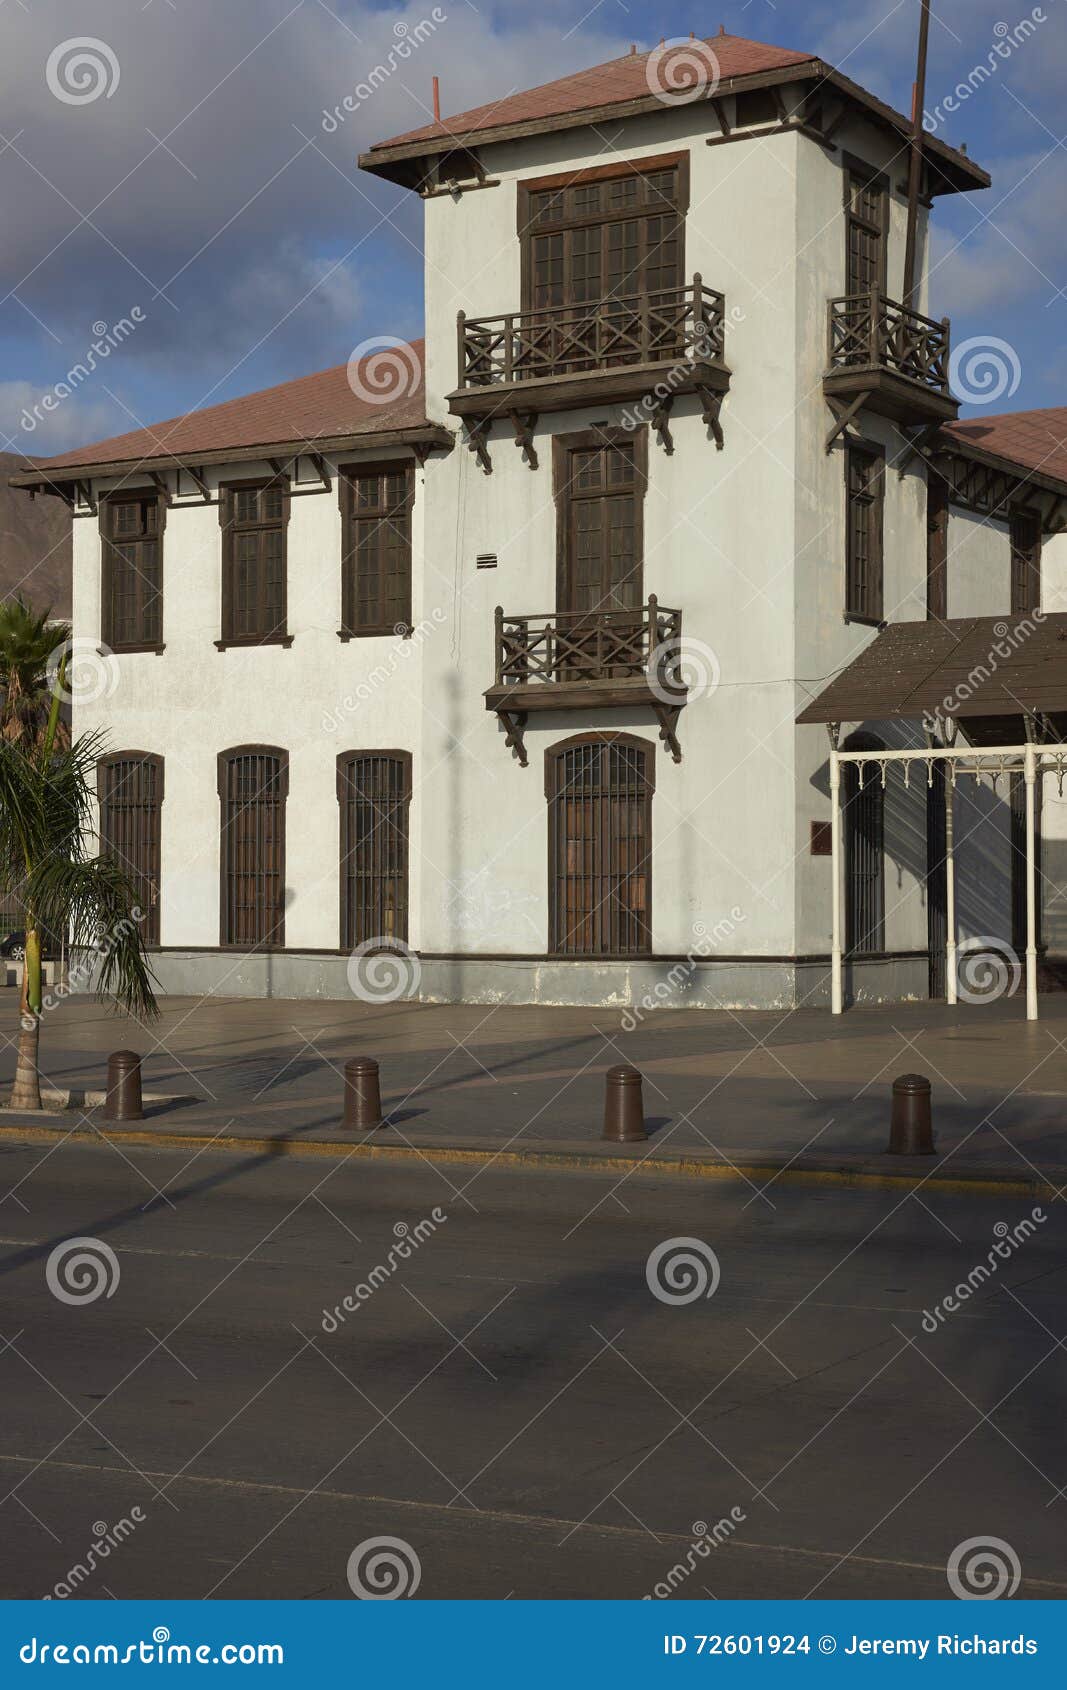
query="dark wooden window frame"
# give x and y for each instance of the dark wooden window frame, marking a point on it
(852, 167)
(1024, 539)
(344, 760)
(150, 926)
(563, 445)
(528, 226)
(110, 565)
(347, 475)
(938, 505)
(223, 761)
(554, 755)
(279, 636)
(873, 450)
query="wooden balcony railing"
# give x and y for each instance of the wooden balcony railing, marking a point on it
(575, 647)
(672, 325)
(869, 331)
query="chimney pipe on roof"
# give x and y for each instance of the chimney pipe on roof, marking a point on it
(437, 99)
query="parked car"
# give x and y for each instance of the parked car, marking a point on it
(13, 948)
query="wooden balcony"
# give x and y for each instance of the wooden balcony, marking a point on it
(604, 350)
(579, 660)
(889, 359)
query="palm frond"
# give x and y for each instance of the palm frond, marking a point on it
(96, 902)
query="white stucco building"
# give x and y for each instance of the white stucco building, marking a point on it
(491, 650)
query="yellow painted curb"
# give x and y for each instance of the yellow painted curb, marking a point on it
(587, 1162)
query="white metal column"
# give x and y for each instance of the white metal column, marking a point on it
(950, 886)
(1030, 777)
(836, 984)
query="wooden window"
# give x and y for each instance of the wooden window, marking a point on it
(864, 829)
(131, 527)
(1025, 539)
(254, 517)
(376, 502)
(600, 479)
(129, 788)
(866, 225)
(937, 508)
(374, 792)
(599, 789)
(864, 476)
(609, 232)
(253, 785)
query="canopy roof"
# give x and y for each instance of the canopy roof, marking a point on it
(968, 668)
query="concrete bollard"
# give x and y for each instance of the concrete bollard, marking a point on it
(624, 1114)
(911, 1130)
(123, 1101)
(363, 1098)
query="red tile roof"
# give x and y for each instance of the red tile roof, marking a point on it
(614, 83)
(384, 392)
(1035, 440)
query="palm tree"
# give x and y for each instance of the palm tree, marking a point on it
(45, 818)
(28, 642)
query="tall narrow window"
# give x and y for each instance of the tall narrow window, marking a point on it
(131, 527)
(599, 790)
(937, 505)
(253, 785)
(374, 792)
(864, 474)
(864, 818)
(600, 486)
(376, 505)
(130, 793)
(614, 232)
(866, 208)
(1025, 539)
(254, 517)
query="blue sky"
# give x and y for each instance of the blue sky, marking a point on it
(202, 189)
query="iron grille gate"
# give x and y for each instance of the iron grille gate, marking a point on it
(253, 783)
(374, 792)
(864, 862)
(600, 849)
(130, 792)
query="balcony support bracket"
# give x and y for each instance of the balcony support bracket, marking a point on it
(918, 445)
(662, 406)
(514, 724)
(478, 441)
(712, 403)
(524, 423)
(844, 414)
(667, 716)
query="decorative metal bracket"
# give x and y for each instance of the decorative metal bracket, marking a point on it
(844, 414)
(661, 420)
(524, 423)
(514, 722)
(709, 416)
(667, 716)
(478, 441)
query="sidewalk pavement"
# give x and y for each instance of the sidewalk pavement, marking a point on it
(793, 1095)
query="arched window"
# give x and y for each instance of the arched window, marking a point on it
(864, 850)
(599, 789)
(374, 792)
(253, 783)
(129, 789)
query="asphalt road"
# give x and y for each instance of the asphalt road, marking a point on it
(513, 1401)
